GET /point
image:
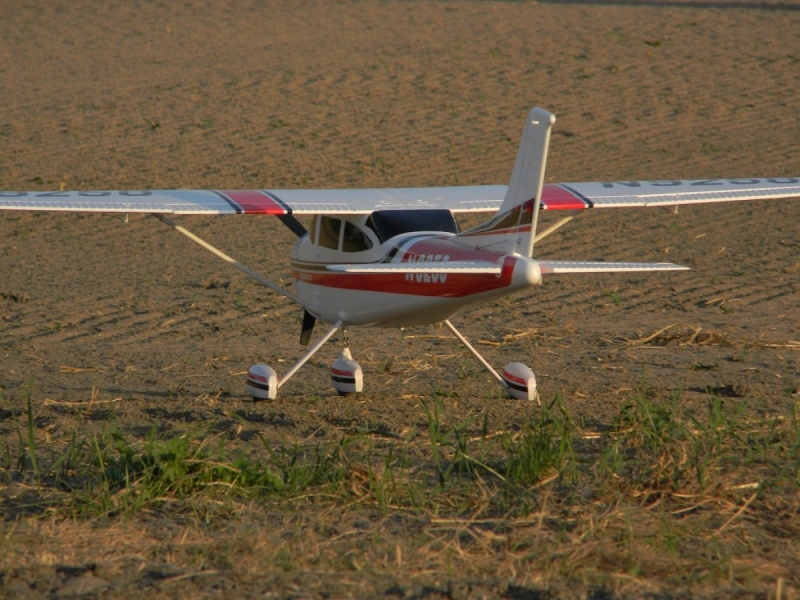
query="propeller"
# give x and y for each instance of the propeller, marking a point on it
(308, 326)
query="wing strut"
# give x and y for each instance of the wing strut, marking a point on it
(293, 224)
(243, 268)
(477, 355)
(553, 228)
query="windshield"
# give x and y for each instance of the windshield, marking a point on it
(389, 223)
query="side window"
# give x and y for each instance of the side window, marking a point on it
(329, 232)
(355, 240)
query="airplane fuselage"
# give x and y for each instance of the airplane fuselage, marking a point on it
(403, 297)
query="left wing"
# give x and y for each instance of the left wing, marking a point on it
(478, 198)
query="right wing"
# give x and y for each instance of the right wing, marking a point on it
(618, 194)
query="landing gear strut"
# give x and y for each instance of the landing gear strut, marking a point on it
(517, 379)
(348, 378)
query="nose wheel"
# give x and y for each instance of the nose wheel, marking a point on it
(346, 374)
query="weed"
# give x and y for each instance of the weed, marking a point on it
(709, 438)
(435, 436)
(32, 440)
(615, 297)
(440, 392)
(643, 423)
(705, 367)
(544, 446)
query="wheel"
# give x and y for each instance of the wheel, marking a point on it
(262, 382)
(346, 375)
(520, 381)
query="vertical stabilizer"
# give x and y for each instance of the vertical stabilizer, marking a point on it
(528, 174)
(513, 228)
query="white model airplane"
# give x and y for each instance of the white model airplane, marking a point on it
(395, 257)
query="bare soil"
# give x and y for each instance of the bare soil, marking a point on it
(153, 331)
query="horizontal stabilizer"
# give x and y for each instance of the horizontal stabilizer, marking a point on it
(462, 267)
(556, 267)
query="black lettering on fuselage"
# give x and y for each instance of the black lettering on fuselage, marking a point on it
(427, 277)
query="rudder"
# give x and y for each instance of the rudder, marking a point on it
(513, 228)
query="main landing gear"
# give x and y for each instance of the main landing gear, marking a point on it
(346, 374)
(348, 378)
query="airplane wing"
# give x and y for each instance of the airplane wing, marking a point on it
(462, 267)
(618, 194)
(479, 198)
(556, 267)
(459, 199)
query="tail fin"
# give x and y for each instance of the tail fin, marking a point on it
(513, 228)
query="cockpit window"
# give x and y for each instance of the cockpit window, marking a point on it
(329, 232)
(389, 223)
(355, 240)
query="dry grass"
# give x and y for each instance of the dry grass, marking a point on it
(683, 334)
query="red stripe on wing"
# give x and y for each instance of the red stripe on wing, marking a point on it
(555, 197)
(254, 202)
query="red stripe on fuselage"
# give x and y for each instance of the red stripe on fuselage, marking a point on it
(555, 197)
(419, 284)
(254, 202)
(433, 284)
